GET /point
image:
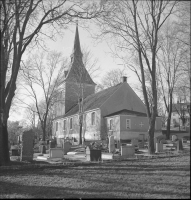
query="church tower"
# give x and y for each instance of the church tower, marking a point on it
(77, 81)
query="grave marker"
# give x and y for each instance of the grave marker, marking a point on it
(179, 145)
(111, 144)
(127, 151)
(134, 141)
(27, 146)
(159, 147)
(66, 146)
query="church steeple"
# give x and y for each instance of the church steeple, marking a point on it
(77, 49)
(77, 80)
(77, 71)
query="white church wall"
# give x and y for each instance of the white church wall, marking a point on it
(113, 129)
(92, 131)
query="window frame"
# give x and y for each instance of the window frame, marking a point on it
(110, 124)
(71, 124)
(129, 122)
(64, 124)
(56, 126)
(93, 120)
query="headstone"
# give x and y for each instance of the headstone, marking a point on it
(52, 143)
(174, 137)
(127, 150)
(111, 144)
(67, 145)
(27, 146)
(159, 147)
(179, 145)
(134, 141)
(87, 153)
(56, 153)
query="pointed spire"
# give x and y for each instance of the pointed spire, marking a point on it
(77, 49)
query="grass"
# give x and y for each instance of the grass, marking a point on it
(158, 178)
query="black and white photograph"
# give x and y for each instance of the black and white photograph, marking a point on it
(95, 99)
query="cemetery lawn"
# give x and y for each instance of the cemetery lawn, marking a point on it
(157, 178)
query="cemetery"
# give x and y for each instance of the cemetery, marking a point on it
(98, 170)
(95, 151)
(102, 169)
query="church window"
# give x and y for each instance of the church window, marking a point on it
(128, 123)
(64, 125)
(110, 124)
(93, 118)
(71, 123)
(56, 126)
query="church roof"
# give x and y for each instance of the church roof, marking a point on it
(92, 101)
(96, 101)
(77, 71)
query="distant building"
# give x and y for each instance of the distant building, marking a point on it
(180, 113)
(114, 111)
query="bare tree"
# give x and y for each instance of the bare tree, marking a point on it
(30, 115)
(90, 62)
(22, 23)
(46, 78)
(112, 77)
(170, 60)
(135, 26)
(13, 128)
(183, 36)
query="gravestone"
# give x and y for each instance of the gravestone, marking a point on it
(111, 144)
(52, 143)
(87, 153)
(27, 146)
(134, 141)
(159, 147)
(174, 137)
(127, 150)
(179, 145)
(66, 146)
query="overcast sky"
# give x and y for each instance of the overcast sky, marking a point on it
(99, 50)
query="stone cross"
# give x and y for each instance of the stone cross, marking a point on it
(141, 124)
(27, 146)
(111, 144)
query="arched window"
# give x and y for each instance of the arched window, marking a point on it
(110, 124)
(64, 125)
(93, 118)
(56, 126)
(71, 123)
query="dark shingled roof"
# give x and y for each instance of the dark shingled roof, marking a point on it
(93, 101)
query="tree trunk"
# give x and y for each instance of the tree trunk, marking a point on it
(80, 136)
(151, 149)
(168, 127)
(169, 116)
(43, 140)
(5, 157)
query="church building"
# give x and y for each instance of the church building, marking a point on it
(114, 111)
